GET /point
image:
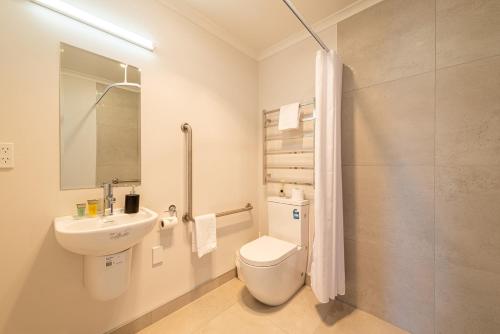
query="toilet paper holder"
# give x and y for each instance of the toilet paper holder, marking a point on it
(172, 210)
(171, 220)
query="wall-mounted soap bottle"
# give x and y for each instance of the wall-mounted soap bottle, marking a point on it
(132, 202)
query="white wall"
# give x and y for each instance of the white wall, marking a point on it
(192, 76)
(287, 77)
(78, 132)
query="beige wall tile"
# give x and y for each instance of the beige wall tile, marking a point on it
(389, 155)
(467, 113)
(467, 300)
(392, 207)
(390, 123)
(116, 144)
(390, 40)
(467, 220)
(466, 30)
(389, 230)
(391, 285)
(118, 136)
(389, 211)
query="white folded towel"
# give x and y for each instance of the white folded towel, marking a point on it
(204, 236)
(289, 117)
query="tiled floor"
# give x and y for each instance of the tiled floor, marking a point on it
(231, 309)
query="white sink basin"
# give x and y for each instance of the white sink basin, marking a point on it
(104, 235)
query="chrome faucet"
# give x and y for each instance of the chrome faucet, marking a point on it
(109, 199)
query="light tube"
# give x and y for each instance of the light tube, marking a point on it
(84, 17)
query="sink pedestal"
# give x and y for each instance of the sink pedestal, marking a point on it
(106, 245)
(106, 277)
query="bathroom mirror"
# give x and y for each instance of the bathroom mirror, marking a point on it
(100, 105)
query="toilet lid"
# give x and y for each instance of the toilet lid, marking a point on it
(266, 251)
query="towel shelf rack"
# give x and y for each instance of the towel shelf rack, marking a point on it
(270, 120)
(302, 105)
(298, 183)
(284, 152)
(286, 137)
(272, 124)
(188, 216)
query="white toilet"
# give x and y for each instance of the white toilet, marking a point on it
(274, 266)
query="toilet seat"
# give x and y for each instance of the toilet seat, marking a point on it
(266, 251)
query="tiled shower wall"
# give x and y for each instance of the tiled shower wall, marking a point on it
(421, 155)
(118, 136)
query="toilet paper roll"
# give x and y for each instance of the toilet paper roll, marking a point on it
(168, 222)
(297, 194)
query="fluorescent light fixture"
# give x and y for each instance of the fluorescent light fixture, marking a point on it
(84, 17)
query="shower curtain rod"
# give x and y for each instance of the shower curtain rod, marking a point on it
(295, 12)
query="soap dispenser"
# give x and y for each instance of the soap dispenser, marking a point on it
(132, 202)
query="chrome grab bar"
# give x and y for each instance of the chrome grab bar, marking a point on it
(186, 128)
(188, 216)
(248, 207)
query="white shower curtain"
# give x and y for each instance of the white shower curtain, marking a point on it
(327, 267)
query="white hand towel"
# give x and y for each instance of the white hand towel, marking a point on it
(204, 236)
(289, 117)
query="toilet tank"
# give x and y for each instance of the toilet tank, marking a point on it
(288, 219)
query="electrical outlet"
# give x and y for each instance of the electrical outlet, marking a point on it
(6, 155)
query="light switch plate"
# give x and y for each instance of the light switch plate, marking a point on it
(6, 155)
(157, 255)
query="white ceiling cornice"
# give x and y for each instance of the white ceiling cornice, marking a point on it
(190, 13)
(204, 22)
(318, 27)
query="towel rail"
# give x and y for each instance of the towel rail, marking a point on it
(307, 134)
(302, 105)
(298, 183)
(188, 216)
(295, 167)
(269, 121)
(285, 152)
(273, 124)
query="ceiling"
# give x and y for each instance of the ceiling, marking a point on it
(255, 25)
